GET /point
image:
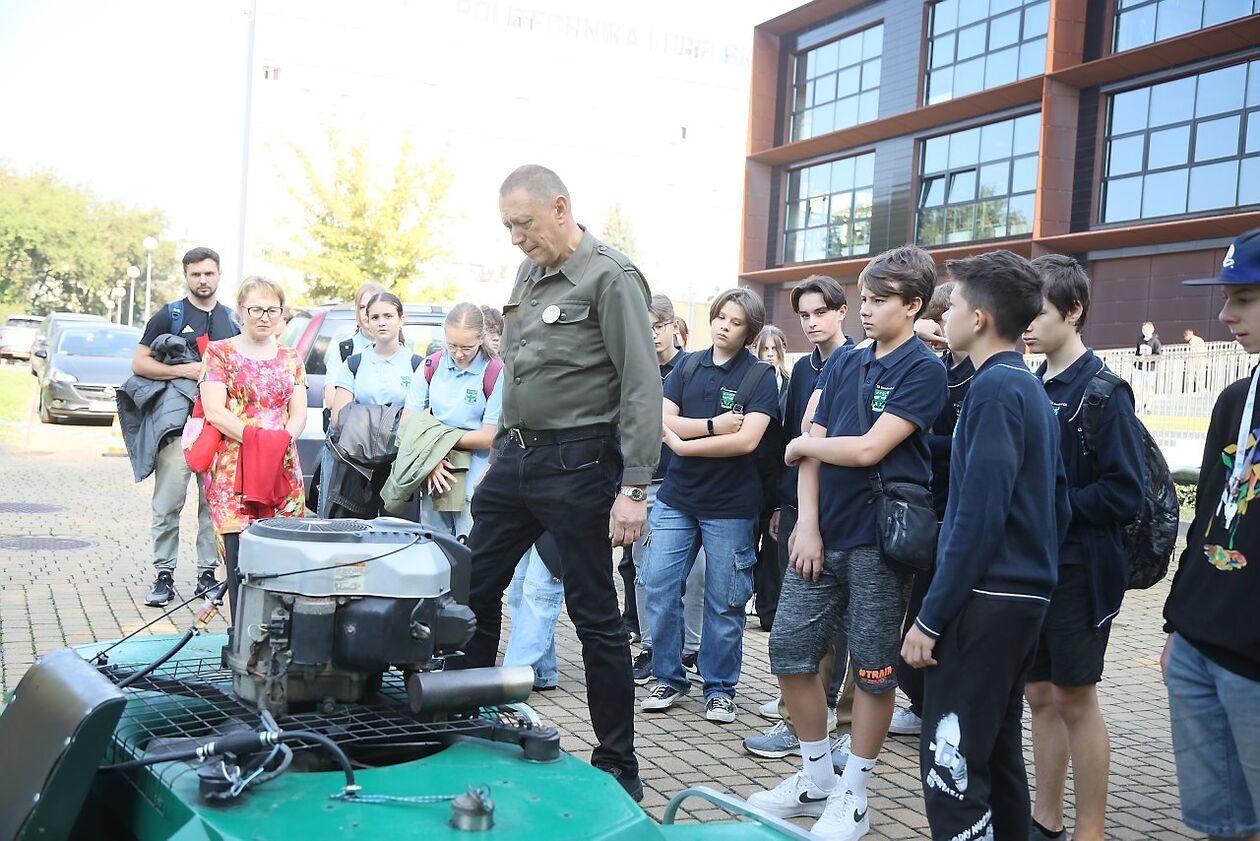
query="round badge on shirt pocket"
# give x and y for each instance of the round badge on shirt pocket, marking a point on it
(551, 314)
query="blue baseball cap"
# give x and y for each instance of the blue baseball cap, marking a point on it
(1241, 265)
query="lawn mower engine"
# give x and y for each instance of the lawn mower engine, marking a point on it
(326, 606)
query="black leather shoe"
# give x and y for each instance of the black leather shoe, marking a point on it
(630, 782)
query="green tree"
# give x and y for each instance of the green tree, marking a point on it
(618, 231)
(357, 229)
(61, 248)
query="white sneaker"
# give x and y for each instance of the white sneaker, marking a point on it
(721, 709)
(905, 723)
(795, 797)
(770, 710)
(844, 818)
(840, 753)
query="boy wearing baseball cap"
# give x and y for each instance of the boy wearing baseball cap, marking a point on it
(1211, 660)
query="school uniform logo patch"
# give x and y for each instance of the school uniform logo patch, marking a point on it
(406, 382)
(470, 396)
(880, 398)
(728, 398)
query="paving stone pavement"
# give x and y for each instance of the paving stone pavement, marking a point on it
(50, 599)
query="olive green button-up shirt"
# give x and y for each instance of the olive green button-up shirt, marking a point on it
(577, 350)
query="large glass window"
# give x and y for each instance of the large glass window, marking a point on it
(837, 84)
(978, 44)
(1187, 146)
(979, 183)
(1140, 22)
(829, 210)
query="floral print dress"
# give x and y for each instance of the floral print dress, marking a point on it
(258, 392)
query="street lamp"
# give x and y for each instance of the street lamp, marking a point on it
(133, 272)
(118, 293)
(149, 244)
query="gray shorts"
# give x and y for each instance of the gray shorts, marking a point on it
(857, 593)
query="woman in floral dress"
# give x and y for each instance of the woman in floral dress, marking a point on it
(252, 380)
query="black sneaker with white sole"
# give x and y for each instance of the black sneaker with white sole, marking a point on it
(691, 668)
(719, 708)
(163, 590)
(206, 582)
(643, 666)
(662, 697)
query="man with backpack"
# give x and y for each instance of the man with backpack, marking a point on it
(197, 319)
(1105, 482)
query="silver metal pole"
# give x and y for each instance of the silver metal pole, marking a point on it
(148, 286)
(131, 306)
(249, 96)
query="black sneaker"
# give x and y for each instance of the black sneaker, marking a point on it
(662, 697)
(163, 590)
(206, 583)
(630, 782)
(690, 667)
(643, 666)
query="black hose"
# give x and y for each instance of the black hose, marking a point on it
(333, 748)
(156, 664)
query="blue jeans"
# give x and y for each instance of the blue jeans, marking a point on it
(693, 600)
(673, 542)
(534, 598)
(1215, 716)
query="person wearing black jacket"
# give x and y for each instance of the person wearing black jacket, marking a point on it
(1105, 486)
(996, 563)
(1211, 660)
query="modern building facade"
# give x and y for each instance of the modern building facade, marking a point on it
(1123, 132)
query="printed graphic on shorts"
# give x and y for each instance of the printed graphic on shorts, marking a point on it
(1241, 487)
(880, 398)
(728, 398)
(947, 756)
(981, 830)
(470, 396)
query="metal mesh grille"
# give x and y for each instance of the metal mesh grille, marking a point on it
(311, 525)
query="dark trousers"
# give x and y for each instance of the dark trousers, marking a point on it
(909, 680)
(971, 753)
(625, 568)
(768, 572)
(566, 489)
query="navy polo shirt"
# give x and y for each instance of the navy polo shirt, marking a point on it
(716, 488)
(667, 455)
(805, 376)
(941, 436)
(909, 382)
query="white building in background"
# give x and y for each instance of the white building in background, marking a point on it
(642, 105)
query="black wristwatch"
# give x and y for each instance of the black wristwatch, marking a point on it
(635, 494)
(709, 423)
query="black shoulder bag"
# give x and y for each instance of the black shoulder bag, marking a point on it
(905, 518)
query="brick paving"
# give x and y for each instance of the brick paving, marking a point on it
(53, 599)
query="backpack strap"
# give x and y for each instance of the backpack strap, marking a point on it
(1097, 392)
(491, 376)
(748, 385)
(416, 361)
(346, 348)
(175, 313)
(690, 364)
(431, 364)
(353, 364)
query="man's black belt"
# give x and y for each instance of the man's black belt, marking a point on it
(542, 437)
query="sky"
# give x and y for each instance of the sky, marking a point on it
(643, 105)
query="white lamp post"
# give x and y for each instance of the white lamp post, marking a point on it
(149, 244)
(133, 272)
(118, 293)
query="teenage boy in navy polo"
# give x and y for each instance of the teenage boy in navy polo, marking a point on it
(710, 498)
(1211, 660)
(996, 564)
(1105, 487)
(838, 578)
(821, 304)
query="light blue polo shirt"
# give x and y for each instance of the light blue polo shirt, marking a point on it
(333, 365)
(380, 379)
(457, 399)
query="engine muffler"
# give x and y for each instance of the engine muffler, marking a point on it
(464, 690)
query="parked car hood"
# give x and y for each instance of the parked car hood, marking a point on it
(93, 370)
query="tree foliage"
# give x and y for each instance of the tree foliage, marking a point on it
(618, 231)
(61, 248)
(358, 228)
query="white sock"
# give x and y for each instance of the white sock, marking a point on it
(817, 756)
(857, 773)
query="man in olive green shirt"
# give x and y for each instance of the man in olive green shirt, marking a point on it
(579, 373)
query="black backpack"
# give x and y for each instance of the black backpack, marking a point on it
(770, 449)
(1148, 540)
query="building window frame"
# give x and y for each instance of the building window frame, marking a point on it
(1182, 156)
(851, 175)
(955, 190)
(859, 80)
(1016, 31)
(1149, 15)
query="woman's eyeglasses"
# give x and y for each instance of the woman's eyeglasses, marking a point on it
(259, 312)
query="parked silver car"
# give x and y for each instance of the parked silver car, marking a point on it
(17, 335)
(87, 366)
(47, 335)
